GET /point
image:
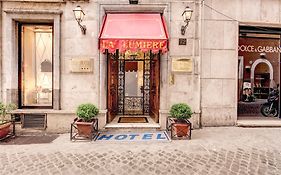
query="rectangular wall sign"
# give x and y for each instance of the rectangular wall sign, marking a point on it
(182, 65)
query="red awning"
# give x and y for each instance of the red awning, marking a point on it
(133, 32)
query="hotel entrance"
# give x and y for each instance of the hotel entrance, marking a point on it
(133, 84)
(133, 43)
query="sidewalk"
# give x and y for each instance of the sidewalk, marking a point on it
(214, 150)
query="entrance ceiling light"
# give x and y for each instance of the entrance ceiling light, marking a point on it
(187, 13)
(79, 15)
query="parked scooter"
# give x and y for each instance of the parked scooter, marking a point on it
(270, 108)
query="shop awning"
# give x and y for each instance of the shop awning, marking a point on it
(134, 31)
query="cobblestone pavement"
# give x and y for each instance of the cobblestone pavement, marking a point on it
(221, 150)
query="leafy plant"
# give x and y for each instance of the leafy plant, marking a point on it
(181, 111)
(5, 109)
(87, 112)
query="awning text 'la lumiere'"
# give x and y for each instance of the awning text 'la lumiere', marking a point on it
(133, 45)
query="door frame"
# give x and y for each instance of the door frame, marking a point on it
(158, 55)
(20, 62)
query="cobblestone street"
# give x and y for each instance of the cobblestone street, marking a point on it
(221, 150)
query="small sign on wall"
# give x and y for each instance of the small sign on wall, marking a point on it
(81, 65)
(182, 41)
(182, 65)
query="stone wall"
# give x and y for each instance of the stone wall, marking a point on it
(210, 88)
(1, 51)
(219, 64)
(75, 88)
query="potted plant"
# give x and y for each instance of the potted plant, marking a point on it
(180, 113)
(5, 123)
(86, 117)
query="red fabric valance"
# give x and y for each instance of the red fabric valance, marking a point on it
(133, 32)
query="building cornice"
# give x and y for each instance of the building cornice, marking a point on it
(45, 1)
(36, 1)
(27, 11)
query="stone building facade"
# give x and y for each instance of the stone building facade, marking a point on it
(208, 85)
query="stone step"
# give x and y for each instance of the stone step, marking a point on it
(259, 122)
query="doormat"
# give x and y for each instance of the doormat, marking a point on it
(133, 136)
(30, 139)
(132, 120)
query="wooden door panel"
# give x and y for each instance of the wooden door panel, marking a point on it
(112, 83)
(155, 87)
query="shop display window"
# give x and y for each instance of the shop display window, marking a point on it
(36, 71)
(261, 85)
(258, 71)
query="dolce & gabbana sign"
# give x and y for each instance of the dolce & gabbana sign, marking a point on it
(259, 49)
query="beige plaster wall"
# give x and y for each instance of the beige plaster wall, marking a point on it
(1, 56)
(210, 88)
(185, 86)
(219, 63)
(77, 88)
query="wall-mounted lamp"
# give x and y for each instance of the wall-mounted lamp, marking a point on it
(187, 13)
(79, 15)
(133, 1)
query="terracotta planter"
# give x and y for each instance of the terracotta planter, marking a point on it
(85, 129)
(4, 129)
(181, 128)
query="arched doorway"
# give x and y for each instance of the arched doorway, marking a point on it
(261, 78)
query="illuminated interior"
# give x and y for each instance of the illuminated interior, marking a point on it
(36, 46)
(133, 78)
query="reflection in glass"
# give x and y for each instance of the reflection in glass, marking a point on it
(133, 78)
(36, 69)
(134, 87)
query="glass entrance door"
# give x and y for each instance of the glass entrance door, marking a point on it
(133, 83)
(133, 98)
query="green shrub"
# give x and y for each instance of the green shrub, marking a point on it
(5, 109)
(180, 111)
(87, 112)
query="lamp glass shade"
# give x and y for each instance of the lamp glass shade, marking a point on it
(79, 14)
(187, 14)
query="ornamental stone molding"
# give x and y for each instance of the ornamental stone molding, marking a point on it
(45, 1)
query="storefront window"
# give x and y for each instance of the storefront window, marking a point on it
(36, 65)
(259, 73)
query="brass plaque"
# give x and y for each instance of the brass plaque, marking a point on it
(81, 65)
(182, 65)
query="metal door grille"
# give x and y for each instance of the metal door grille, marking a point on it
(134, 105)
(34, 121)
